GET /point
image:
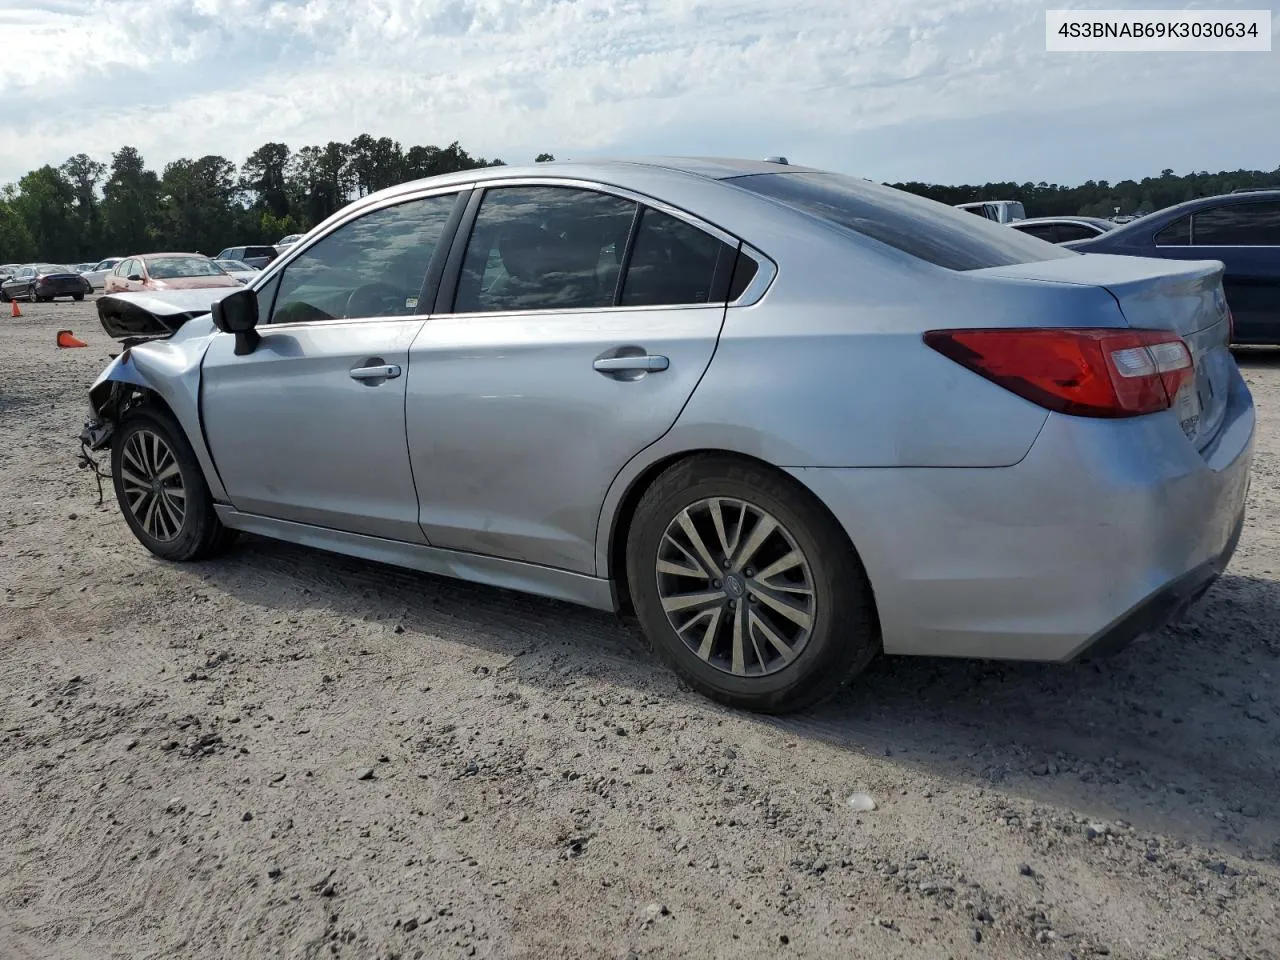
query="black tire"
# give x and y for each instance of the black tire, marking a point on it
(4, 296)
(199, 534)
(844, 635)
(77, 296)
(31, 295)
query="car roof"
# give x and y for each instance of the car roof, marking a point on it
(176, 253)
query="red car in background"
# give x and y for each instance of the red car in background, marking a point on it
(167, 271)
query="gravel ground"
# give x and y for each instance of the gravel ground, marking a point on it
(289, 754)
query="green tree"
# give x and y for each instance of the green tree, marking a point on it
(265, 177)
(543, 158)
(197, 211)
(45, 203)
(130, 205)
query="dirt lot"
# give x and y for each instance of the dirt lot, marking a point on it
(287, 754)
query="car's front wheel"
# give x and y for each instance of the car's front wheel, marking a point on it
(747, 587)
(161, 488)
(77, 296)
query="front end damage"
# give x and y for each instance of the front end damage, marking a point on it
(164, 336)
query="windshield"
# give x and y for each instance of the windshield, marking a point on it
(53, 268)
(171, 268)
(235, 265)
(922, 228)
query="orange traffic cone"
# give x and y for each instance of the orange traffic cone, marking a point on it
(67, 339)
(15, 312)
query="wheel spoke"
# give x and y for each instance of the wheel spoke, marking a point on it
(149, 518)
(686, 601)
(695, 540)
(171, 471)
(769, 634)
(176, 492)
(739, 666)
(172, 517)
(796, 613)
(791, 560)
(681, 570)
(709, 635)
(138, 500)
(765, 525)
(133, 454)
(132, 479)
(727, 546)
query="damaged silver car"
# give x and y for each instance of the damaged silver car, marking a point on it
(789, 418)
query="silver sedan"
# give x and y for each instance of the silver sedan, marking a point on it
(790, 419)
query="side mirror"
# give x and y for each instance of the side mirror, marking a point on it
(135, 277)
(237, 313)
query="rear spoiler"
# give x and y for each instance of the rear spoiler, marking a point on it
(155, 314)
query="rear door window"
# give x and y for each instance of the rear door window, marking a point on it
(1238, 225)
(544, 248)
(673, 262)
(929, 231)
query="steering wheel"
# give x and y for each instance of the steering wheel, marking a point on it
(375, 300)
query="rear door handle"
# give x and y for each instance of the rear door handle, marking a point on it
(383, 371)
(651, 364)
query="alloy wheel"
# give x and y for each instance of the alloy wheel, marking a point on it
(153, 485)
(736, 587)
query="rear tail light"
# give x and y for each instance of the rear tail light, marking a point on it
(1083, 372)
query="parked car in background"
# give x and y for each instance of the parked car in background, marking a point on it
(167, 271)
(258, 256)
(289, 241)
(97, 273)
(1062, 229)
(7, 270)
(1240, 229)
(238, 269)
(776, 368)
(38, 282)
(1001, 211)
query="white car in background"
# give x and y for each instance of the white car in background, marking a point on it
(97, 276)
(239, 269)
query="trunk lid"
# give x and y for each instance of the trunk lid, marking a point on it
(1182, 296)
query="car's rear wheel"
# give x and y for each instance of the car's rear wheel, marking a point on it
(77, 296)
(747, 587)
(31, 294)
(161, 488)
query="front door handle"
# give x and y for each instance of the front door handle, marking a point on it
(647, 363)
(382, 371)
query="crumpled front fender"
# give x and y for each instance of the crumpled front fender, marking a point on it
(168, 370)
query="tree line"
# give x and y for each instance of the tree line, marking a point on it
(85, 209)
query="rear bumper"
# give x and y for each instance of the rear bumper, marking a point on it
(1103, 532)
(1165, 606)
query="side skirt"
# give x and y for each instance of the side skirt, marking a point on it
(493, 571)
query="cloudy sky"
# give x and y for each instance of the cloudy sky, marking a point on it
(940, 90)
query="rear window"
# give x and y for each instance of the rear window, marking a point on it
(924, 229)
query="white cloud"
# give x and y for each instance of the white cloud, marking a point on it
(829, 82)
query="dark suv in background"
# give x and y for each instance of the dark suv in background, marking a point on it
(1240, 229)
(258, 256)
